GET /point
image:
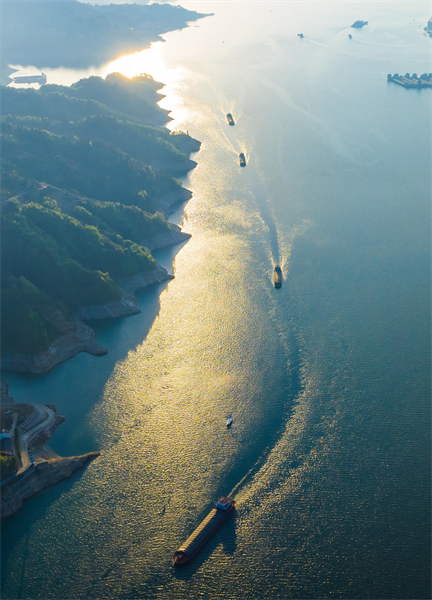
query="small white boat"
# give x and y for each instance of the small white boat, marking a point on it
(229, 422)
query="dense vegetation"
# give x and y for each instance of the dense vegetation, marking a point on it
(8, 465)
(66, 242)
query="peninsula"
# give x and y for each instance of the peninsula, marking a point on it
(27, 464)
(87, 186)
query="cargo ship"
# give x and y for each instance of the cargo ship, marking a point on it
(277, 277)
(41, 79)
(230, 119)
(242, 159)
(204, 531)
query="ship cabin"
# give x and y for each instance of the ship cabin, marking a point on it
(277, 275)
(223, 503)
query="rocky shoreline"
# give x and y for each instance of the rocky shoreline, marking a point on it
(42, 476)
(77, 336)
(48, 469)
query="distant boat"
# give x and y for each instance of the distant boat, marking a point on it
(230, 119)
(277, 277)
(242, 159)
(350, 36)
(41, 79)
(229, 422)
(300, 35)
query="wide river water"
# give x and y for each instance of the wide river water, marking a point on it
(327, 379)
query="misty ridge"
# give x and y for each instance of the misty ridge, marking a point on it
(72, 34)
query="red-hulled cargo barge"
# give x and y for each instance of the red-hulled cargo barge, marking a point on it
(204, 531)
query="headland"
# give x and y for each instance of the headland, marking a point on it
(28, 466)
(85, 202)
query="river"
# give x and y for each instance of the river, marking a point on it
(327, 379)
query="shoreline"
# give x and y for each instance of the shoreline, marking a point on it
(38, 467)
(78, 337)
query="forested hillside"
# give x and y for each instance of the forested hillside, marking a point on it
(80, 191)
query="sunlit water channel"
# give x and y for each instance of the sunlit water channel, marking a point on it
(328, 379)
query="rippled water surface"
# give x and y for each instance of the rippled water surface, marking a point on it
(328, 379)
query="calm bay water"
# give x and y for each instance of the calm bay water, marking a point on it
(328, 379)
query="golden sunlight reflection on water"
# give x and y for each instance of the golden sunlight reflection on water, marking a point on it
(148, 61)
(151, 62)
(300, 369)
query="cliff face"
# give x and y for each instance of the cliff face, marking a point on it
(38, 478)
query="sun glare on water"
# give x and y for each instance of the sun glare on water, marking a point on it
(151, 62)
(147, 61)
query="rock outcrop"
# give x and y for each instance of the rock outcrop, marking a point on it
(169, 238)
(130, 284)
(111, 310)
(168, 201)
(49, 468)
(127, 304)
(35, 479)
(76, 337)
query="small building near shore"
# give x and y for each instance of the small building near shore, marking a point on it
(6, 443)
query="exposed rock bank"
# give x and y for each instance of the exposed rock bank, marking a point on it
(168, 201)
(174, 236)
(130, 284)
(35, 479)
(127, 304)
(76, 337)
(111, 310)
(31, 436)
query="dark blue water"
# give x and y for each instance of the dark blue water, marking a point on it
(328, 379)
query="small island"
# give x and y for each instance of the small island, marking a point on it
(27, 465)
(359, 24)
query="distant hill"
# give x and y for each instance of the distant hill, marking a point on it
(78, 35)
